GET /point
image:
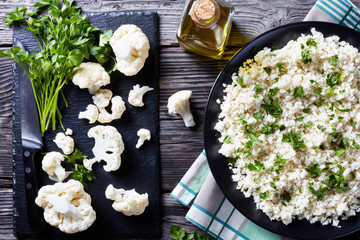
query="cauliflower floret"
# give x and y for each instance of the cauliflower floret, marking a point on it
(143, 135)
(136, 95)
(117, 107)
(65, 143)
(69, 132)
(91, 113)
(102, 100)
(51, 164)
(92, 76)
(108, 147)
(180, 103)
(131, 48)
(128, 202)
(66, 206)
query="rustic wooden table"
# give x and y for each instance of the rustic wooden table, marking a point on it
(179, 70)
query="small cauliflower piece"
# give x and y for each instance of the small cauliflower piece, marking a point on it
(66, 206)
(131, 48)
(129, 202)
(136, 95)
(102, 100)
(65, 143)
(51, 164)
(69, 132)
(143, 135)
(91, 76)
(91, 113)
(108, 147)
(117, 107)
(179, 103)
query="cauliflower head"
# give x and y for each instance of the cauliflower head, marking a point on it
(179, 103)
(129, 202)
(66, 206)
(109, 146)
(143, 134)
(91, 76)
(131, 48)
(136, 95)
(65, 143)
(51, 164)
(91, 113)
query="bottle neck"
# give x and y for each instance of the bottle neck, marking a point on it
(205, 13)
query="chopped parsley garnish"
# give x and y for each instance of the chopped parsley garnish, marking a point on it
(311, 42)
(314, 82)
(276, 79)
(271, 128)
(317, 90)
(308, 124)
(300, 119)
(280, 67)
(314, 171)
(273, 108)
(331, 116)
(333, 79)
(306, 56)
(273, 92)
(318, 193)
(279, 163)
(258, 116)
(240, 81)
(273, 185)
(267, 70)
(356, 145)
(294, 139)
(232, 161)
(340, 119)
(334, 60)
(227, 139)
(330, 92)
(306, 110)
(258, 166)
(299, 92)
(257, 89)
(320, 103)
(352, 123)
(343, 110)
(286, 196)
(264, 195)
(321, 128)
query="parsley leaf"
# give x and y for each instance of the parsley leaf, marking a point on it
(299, 92)
(280, 67)
(333, 79)
(314, 170)
(79, 172)
(227, 139)
(334, 60)
(257, 89)
(271, 128)
(258, 116)
(257, 167)
(267, 70)
(240, 81)
(311, 42)
(264, 195)
(306, 110)
(306, 56)
(294, 139)
(273, 108)
(317, 90)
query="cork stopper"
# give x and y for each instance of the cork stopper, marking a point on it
(205, 13)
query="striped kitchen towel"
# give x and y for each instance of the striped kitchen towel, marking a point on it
(208, 208)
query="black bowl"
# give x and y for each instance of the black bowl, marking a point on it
(301, 229)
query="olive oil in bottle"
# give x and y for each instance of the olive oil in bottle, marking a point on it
(205, 26)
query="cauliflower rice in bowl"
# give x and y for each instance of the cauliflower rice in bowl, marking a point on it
(289, 127)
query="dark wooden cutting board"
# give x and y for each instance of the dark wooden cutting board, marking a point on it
(139, 168)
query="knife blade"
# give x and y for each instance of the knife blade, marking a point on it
(31, 142)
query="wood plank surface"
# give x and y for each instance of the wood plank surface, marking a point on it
(179, 70)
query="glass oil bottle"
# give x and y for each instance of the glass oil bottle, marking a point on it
(205, 27)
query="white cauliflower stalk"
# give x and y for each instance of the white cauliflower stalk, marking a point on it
(66, 206)
(108, 147)
(131, 48)
(91, 76)
(69, 132)
(102, 99)
(136, 95)
(51, 164)
(179, 103)
(65, 143)
(143, 134)
(129, 202)
(91, 113)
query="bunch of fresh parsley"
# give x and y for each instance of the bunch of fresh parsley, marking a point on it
(65, 39)
(179, 233)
